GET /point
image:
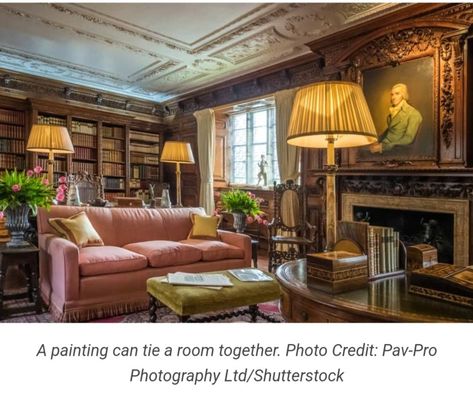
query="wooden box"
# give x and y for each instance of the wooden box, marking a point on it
(337, 271)
(421, 256)
(445, 282)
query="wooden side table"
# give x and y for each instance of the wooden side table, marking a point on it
(26, 258)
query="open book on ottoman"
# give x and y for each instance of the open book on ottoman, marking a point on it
(445, 282)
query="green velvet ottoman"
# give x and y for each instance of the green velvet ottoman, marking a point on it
(186, 301)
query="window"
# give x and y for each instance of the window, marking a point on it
(253, 147)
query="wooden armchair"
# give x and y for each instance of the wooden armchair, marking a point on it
(290, 234)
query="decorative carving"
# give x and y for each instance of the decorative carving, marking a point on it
(407, 186)
(396, 46)
(251, 47)
(393, 163)
(447, 99)
(317, 24)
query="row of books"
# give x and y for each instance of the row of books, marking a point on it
(58, 165)
(383, 250)
(84, 140)
(47, 120)
(113, 144)
(112, 182)
(144, 136)
(113, 132)
(113, 156)
(12, 162)
(12, 117)
(144, 159)
(84, 127)
(85, 153)
(12, 146)
(113, 169)
(12, 131)
(379, 243)
(145, 172)
(143, 148)
(90, 168)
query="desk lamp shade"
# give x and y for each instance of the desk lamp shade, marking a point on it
(177, 152)
(49, 138)
(331, 111)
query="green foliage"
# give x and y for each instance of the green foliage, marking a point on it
(240, 201)
(30, 190)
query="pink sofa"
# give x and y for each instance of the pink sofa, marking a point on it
(94, 282)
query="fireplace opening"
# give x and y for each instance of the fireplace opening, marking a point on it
(434, 228)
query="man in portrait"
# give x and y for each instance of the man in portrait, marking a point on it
(403, 122)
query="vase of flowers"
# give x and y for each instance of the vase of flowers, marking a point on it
(244, 206)
(21, 192)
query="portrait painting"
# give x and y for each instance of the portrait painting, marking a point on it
(401, 102)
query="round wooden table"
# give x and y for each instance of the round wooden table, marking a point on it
(385, 300)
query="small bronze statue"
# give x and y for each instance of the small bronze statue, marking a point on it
(262, 175)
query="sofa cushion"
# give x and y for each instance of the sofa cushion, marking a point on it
(78, 229)
(95, 260)
(162, 253)
(204, 227)
(213, 250)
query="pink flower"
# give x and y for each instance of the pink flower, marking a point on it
(259, 219)
(60, 197)
(265, 222)
(249, 219)
(15, 188)
(62, 180)
(45, 181)
(29, 173)
(61, 187)
(1, 214)
(38, 169)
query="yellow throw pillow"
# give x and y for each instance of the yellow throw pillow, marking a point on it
(204, 227)
(77, 229)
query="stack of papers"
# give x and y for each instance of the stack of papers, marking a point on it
(250, 275)
(199, 279)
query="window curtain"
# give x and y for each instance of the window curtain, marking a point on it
(288, 157)
(206, 150)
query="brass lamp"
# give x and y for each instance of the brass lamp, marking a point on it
(49, 139)
(331, 115)
(179, 153)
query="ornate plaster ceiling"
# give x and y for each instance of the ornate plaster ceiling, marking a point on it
(159, 51)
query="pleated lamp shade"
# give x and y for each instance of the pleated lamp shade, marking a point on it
(177, 152)
(49, 138)
(336, 110)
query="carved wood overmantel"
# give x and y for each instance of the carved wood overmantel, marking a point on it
(443, 33)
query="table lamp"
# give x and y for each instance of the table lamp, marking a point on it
(331, 115)
(179, 153)
(49, 139)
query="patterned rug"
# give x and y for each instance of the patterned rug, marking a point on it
(163, 313)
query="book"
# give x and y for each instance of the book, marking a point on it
(250, 275)
(199, 279)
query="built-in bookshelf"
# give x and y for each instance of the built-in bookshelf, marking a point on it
(144, 160)
(12, 139)
(84, 139)
(114, 161)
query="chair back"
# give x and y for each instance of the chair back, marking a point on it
(290, 207)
